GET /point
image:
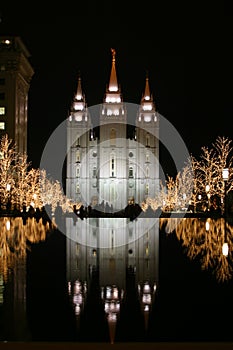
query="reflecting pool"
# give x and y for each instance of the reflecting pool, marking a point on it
(116, 280)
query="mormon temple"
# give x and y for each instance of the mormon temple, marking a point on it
(112, 148)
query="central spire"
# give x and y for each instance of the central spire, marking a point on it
(147, 94)
(113, 93)
(113, 85)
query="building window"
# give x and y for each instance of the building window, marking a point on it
(2, 111)
(78, 142)
(147, 189)
(147, 140)
(112, 165)
(77, 188)
(78, 171)
(130, 154)
(2, 125)
(147, 158)
(78, 156)
(94, 173)
(2, 95)
(130, 171)
(147, 171)
(113, 137)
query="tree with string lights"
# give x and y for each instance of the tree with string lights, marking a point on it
(51, 193)
(209, 170)
(8, 170)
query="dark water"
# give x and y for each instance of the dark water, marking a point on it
(116, 281)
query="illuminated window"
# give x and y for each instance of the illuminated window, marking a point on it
(2, 111)
(94, 172)
(78, 171)
(147, 189)
(147, 140)
(78, 156)
(147, 118)
(77, 188)
(2, 125)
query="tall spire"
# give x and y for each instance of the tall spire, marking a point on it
(113, 85)
(147, 110)
(79, 103)
(147, 101)
(147, 94)
(79, 94)
(113, 93)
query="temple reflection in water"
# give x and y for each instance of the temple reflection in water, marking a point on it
(112, 246)
(114, 250)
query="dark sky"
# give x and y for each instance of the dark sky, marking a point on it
(187, 51)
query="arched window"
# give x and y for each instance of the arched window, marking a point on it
(94, 173)
(130, 171)
(78, 156)
(78, 171)
(112, 165)
(77, 188)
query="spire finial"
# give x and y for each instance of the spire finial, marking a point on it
(79, 94)
(147, 88)
(113, 85)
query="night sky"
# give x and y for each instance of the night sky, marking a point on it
(186, 47)
(187, 51)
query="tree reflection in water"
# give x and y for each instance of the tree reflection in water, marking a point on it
(205, 240)
(15, 238)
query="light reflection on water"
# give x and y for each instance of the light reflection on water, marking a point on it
(116, 271)
(205, 239)
(15, 237)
